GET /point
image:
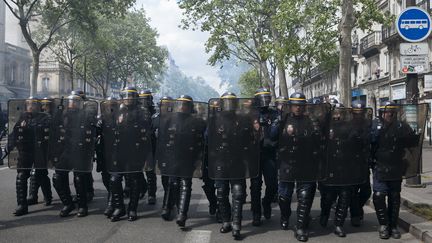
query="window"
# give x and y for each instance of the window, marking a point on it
(45, 84)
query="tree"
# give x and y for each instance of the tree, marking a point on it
(123, 51)
(39, 21)
(237, 28)
(354, 13)
(249, 82)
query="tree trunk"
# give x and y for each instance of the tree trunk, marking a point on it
(35, 73)
(280, 65)
(282, 80)
(267, 79)
(345, 28)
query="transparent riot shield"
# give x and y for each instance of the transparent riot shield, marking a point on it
(73, 135)
(302, 140)
(180, 144)
(233, 139)
(348, 146)
(28, 135)
(126, 131)
(400, 140)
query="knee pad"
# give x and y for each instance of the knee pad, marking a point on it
(238, 192)
(380, 196)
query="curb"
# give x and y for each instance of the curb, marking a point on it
(417, 226)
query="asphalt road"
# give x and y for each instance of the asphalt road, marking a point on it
(43, 224)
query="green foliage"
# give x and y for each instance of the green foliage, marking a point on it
(123, 50)
(249, 82)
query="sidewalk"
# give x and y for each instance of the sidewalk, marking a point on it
(419, 200)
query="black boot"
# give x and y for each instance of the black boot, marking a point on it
(255, 190)
(285, 209)
(152, 187)
(109, 208)
(327, 198)
(81, 186)
(211, 197)
(379, 200)
(33, 189)
(166, 205)
(185, 196)
(21, 193)
(304, 197)
(267, 209)
(393, 211)
(45, 184)
(89, 188)
(61, 185)
(341, 211)
(143, 185)
(238, 198)
(135, 190)
(224, 207)
(117, 198)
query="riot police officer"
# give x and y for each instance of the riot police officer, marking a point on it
(269, 128)
(87, 177)
(227, 159)
(300, 161)
(391, 136)
(208, 183)
(100, 158)
(127, 117)
(362, 192)
(150, 174)
(39, 177)
(347, 158)
(181, 146)
(72, 146)
(28, 136)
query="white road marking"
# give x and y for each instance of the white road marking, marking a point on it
(203, 205)
(198, 236)
(4, 168)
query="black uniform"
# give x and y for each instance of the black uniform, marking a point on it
(29, 137)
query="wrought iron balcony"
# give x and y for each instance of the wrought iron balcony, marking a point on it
(370, 44)
(389, 34)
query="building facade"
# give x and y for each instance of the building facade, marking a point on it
(376, 66)
(15, 59)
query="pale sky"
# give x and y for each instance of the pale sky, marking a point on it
(186, 46)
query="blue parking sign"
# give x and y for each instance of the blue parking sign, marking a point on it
(414, 24)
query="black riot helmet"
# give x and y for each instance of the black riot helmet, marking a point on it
(297, 98)
(32, 104)
(229, 101)
(46, 105)
(281, 101)
(184, 104)
(129, 95)
(263, 97)
(333, 102)
(80, 93)
(388, 111)
(358, 107)
(146, 94)
(166, 99)
(297, 101)
(74, 102)
(314, 100)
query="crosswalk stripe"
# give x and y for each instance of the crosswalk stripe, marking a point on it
(198, 236)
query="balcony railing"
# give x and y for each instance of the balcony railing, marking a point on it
(369, 44)
(389, 32)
